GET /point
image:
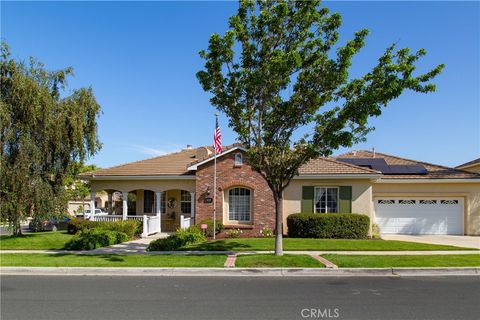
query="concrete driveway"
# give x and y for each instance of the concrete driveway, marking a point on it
(458, 241)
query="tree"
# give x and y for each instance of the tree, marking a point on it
(288, 93)
(42, 133)
(78, 189)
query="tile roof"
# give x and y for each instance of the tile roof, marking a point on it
(434, 171)
(174, 164)
(469, 163)
(331, 166)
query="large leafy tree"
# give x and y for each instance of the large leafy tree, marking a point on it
(282, 79)
(42, 134)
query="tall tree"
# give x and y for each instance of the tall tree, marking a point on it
(42, 133)
(287, 91)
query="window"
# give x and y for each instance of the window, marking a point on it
(238, 159)
(326, 200)
(185, 202)
(163, 202)
(383, 201)
(406, 201)
(427, 201)
(148, 201)
(239, 205)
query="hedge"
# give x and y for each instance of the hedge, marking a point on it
(89, 239)
(130, 227)
(177, 240)
(328, 225)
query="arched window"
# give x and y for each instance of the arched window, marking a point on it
(238, 159)
(239, 204)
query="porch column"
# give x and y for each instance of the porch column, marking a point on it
(124, 205)
(92, 205)
(158, 211)
(192, 197)
(110, 204)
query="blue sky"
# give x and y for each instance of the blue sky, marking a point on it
(141, 60)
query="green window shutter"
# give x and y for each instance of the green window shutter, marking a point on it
(307, 199)
(345, 203)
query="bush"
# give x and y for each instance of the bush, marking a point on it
(181, 238)
(209, 223)
(89, 239)
(328, 225)
(130, 227)
(234, 233)
(376, 231)
(266, 233)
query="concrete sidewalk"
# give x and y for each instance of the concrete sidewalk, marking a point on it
(120, 251)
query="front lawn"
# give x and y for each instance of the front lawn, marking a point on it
(299, 244)
(108, 260)
(36, 241)
(272, 261)
(361, 261)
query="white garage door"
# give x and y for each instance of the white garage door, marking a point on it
(419, 215)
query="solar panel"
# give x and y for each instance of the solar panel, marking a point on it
(381, 165)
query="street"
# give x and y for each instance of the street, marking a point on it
(135, 298)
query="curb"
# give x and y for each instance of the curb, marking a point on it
(250, 272)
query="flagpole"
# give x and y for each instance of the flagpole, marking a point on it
(215, 184)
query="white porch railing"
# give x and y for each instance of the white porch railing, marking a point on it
(185, 222)
(150, 224)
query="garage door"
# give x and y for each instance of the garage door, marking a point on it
(419, 215)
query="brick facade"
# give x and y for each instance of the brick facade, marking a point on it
(229, 175)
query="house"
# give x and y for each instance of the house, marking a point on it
(400, 195)
(471, 166)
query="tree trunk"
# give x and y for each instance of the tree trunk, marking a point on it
(278, 225)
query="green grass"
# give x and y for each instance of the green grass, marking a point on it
(298, 244)
(361, 261)
(108, 260)
(35, 241)
(272, 261)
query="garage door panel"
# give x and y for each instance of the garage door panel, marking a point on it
(417, 216)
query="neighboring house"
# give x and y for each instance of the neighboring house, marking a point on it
(77, 206)
(471, 166)
(402, 196)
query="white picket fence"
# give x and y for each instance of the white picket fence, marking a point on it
(150, 224)
(185, 222)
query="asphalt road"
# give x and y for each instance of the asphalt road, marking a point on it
(137, 298)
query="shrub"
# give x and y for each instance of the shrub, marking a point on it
(266, 232)
(209, 223)
(89, 239)
(131, 227)
(328, 225)
(376, 231)
(181, 238)
(234, 233)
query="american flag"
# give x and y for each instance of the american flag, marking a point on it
(217, 138)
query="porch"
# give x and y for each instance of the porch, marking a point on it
(161, 206)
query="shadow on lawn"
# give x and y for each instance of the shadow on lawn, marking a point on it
(107, 257)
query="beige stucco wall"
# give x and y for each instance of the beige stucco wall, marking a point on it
(361, 195)
(469, 191)
(131, 185)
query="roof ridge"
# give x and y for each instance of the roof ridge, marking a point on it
(225, 148)
(138, 161)
(349, 165)
(469, 163)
